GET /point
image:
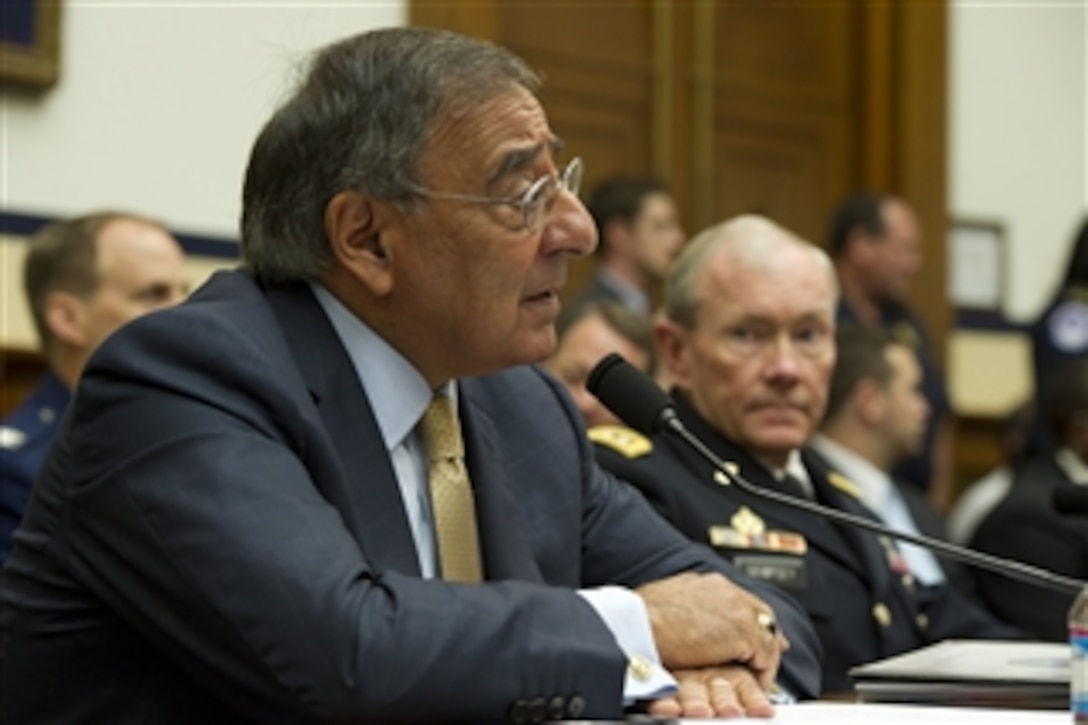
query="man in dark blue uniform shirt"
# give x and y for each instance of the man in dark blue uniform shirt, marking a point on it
(875, 242)
(749, 342)
(83, 278)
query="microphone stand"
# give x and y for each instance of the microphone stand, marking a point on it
(1007, 567)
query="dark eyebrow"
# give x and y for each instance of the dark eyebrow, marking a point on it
(521, 158)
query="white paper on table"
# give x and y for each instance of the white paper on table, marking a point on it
(838, 713)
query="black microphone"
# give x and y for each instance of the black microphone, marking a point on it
(638, 401)
(1071, 499)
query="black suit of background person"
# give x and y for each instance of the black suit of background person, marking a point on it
(1024, 525)
(749, 341)
(233, 525)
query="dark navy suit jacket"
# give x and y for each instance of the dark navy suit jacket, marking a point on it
(1026, 527)
(219, 536)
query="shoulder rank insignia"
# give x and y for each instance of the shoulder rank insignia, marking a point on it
(625, 441)
(11, 439)
(746, 530)
(844, 484)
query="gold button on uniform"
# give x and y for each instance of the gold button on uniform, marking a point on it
(640, 669)
(922, 620)
(882, 614)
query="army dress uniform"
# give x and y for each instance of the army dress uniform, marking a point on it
(25, 436)
(854, 585)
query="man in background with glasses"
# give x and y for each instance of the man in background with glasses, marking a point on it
(330, 488)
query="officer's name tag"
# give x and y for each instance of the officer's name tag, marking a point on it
(784, 571)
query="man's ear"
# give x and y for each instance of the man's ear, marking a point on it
(356, 225)
(66, 317)
(672, 350)
(870, 399)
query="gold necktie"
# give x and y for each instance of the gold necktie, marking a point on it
(451, 494)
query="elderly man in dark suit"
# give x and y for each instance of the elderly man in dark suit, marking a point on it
(262, 508)
(749, 340)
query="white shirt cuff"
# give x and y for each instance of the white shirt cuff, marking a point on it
(624, 613)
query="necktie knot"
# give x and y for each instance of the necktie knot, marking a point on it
(441, 430)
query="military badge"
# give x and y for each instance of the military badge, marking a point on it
(625, 441)
(746, 530)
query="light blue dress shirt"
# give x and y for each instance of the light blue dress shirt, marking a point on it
(399, 395)
(880, 495)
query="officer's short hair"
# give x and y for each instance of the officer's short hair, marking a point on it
(63, 257)
(632, 326)
(620, 197)
(864, 211)
(860, 355)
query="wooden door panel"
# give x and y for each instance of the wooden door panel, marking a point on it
(792, 168)
(782, 107)
(800, 52)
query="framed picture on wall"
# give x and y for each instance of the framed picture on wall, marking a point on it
(976, 265)
(29, 42)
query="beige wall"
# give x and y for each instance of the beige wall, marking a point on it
(158, 104)
(1018, 156)
(155, 111)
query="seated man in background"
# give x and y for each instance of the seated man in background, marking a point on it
(639, 232)
(875, 241)
(83, 278)
(600, 328)
(1025, 524)
(876, 415)
(749, 340)
(331, 487)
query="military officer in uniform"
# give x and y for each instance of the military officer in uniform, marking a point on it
(748, 338)
(84, 277)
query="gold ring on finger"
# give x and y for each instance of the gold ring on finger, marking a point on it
(767, 623)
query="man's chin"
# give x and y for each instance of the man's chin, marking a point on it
(776, 445)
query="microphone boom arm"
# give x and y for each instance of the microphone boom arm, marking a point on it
(1005, 567)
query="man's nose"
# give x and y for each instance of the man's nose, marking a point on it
(570, 228)
(784, 358)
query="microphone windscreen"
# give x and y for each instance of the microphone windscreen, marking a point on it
(1071, 499)
(629, 393)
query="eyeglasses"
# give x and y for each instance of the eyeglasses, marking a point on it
(534, 204)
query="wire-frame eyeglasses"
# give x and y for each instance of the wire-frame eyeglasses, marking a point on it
(534, 203)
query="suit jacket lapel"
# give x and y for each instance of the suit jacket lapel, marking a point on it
(867, 546)
(506, 553)
(370, 501)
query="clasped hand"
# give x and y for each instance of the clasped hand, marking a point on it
(719, 641)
